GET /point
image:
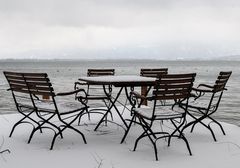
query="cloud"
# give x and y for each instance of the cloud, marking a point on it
(161, 26)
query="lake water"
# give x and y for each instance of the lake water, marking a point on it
(63, 74)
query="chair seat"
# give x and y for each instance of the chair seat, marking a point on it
(199, 106)
(96, 97)
(63, 107)
(161, 112)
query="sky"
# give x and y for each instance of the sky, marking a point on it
(142, 29)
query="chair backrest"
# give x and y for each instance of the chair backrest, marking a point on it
(221, 81)
(155, 72)
(174, 86)
(100, 72)
(31, 85)
(217, 90)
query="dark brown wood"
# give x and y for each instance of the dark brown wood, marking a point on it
(211, 94)
(35, 88)
(151, 72)
(100, 72)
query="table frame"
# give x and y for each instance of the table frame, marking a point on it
(123, 82)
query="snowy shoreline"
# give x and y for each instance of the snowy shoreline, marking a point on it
(103, 148)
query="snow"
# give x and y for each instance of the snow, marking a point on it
(103, 148)
(118, 78)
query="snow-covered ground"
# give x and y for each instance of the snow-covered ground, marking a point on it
(103, 148)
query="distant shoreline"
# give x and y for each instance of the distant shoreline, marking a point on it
(114, 60)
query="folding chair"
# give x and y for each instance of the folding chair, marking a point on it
(37, 86)
(147, 72)
(170, 87)
(151, 72)
(22, 100)
(205, 103)
(95, 93)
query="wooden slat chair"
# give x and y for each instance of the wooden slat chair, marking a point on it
(205, 103)
(22, 99)
(170, 87)
(148, 72)
(96, 98)
(48, 115)
(151, 72)
(100, 72)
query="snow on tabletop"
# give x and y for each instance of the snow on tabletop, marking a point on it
(120, 78)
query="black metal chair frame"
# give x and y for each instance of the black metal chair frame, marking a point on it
(173, 87)
(36, 85)
(154, 73)
(147, 72)
(19, 94)
(215, 92)
(90, 96)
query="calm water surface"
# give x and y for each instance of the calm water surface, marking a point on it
(63, 74)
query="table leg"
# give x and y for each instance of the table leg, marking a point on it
(144, 93)
(111, 106)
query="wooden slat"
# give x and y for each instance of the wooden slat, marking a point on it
(174, 91)
(39, 83)
(39, 88)
(225, 73)
(176, 86)
(20, 90)
(190, 75)
(174, 80)
(153, 72)
(172, 97)
(100, 72)
(37, 79)
(16, 82)
(43, 93)
(25, 74)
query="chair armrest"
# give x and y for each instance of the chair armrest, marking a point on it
(201, 90)
(81, 83)
(205, 85)
(69, 93)
(139, 96)
(136, 94)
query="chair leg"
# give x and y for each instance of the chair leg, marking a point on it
(221, 127)
(60, 133)
(213, 135)
(155, 151)
(68, 125)
(177, 128)
(102, 119)
(53, 140)
(185, 140)
(137, 140)
(13, 128)
(17, 123)
(144, 134)
(188, 146)
(31, 135)
(193, 127)
(84, 139)
(128, 128)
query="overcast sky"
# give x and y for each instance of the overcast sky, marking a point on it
(119, 28)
